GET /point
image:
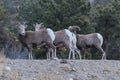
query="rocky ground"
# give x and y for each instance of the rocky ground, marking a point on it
(59, 70)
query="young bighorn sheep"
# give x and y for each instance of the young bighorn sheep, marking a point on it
(30, 38)
(63, 38)
(41, 27)
(88, 40)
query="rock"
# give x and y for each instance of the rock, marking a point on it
(54, 70)
(74, 70)
(7, 68)
(63, 61)
(84, 69)
(71, 79)
(65, 67)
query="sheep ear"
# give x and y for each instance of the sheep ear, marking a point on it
(18, 25)
(69, 27)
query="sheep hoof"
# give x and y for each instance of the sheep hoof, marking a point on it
(55, 58)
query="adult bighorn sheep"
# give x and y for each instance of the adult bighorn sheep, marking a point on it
(63, 38)
(30, 38)
(88, 40)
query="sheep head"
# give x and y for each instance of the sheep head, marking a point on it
(21, 28)
(39, 26)
(74, 28)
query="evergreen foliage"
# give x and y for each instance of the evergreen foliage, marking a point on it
(54, 13)
(103, 17)
(107, 19)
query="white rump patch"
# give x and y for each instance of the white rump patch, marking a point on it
(74, 40)
(51, 33)
(69, 34)
(72, 37)
(100, 37)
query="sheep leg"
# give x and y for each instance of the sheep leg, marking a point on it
(79, 55)
(73, 54)
(104, 54)
(30, 52)
(84, 53)
(69, 49)
(78, 52)
(102, 51)
(52, 52)
(53, 49)
(48, 53)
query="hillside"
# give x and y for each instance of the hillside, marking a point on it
(59, 70)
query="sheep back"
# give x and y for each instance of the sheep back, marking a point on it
(88, 40)
(34, 37)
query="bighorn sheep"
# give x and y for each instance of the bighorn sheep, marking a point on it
(63, 38)
(29, 38)
(88, 40)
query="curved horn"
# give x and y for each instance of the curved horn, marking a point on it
(74, 28)
(77, 28)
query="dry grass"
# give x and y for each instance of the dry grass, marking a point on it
(2, 59)
(5, 72)
(2, 56)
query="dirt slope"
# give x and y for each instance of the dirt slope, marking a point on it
(59, 70)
